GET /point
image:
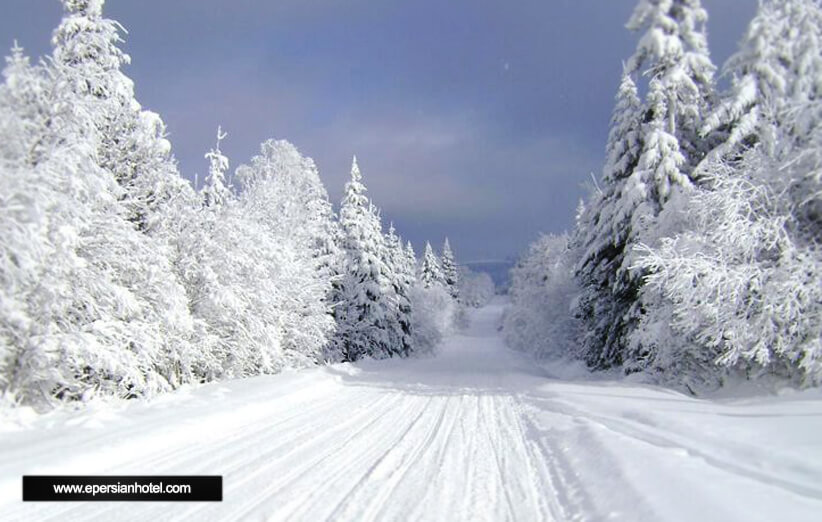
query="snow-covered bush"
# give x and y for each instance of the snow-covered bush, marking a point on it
(476, 289)
(434, 314)
(543, 292)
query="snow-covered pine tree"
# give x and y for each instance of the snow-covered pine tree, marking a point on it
(215, 192)
(363, 314)
(435, 311)
(753, 230)
(132, 144)
(410, 265)
(430, 273)
(673, 51)
(399, 287)
(774, 99)
(603, 232)
(449, 270)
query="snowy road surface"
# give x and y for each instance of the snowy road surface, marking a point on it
(477, 433)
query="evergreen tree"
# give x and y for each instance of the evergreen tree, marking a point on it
(132, 145)
(752, 230)
(772, 75)
(363, 315)
(449, 270)
(400, 285)
(430, 273)
(410, 265)
(673, 53)
(215, 192)
(603, 232)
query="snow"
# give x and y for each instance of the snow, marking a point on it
(478, 432)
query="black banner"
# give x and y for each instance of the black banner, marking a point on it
(145, 488)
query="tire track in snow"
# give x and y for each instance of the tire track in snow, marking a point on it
(531, 481)
(492, 420)
(569, 500)
(206, 459)
(296, 462)
(431, 466)
(326, 453)
(379, 481)
(581, 469)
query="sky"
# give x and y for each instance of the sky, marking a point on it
(480, 120)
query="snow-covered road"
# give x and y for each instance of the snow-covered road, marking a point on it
(476, 433)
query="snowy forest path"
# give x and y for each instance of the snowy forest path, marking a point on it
(477, 432)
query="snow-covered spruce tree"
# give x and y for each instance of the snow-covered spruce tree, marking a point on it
(216, 192)
(363, 314)
(653, 150)
(282, 195)
(410, 264)
(87, 62)
(88, 306)
(430, 272)
(449, 270)
(540, 319)
(674, 51)
(774, 99)
(436, 312)
(132, 145)
(399, 286)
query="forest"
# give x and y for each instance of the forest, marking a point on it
(695, 258)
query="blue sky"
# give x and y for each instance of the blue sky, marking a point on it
(477, 119)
